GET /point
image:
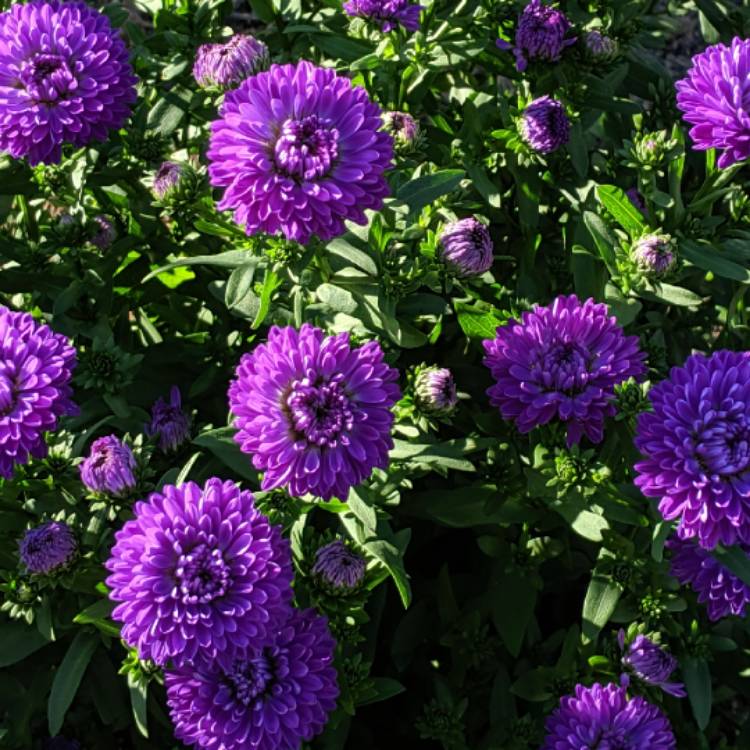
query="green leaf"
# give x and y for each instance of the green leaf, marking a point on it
(138, 689)
(477, 323)
(697, 678)
(621, 208)
(384, 688)
(672, 295)
(534, 685)
(99, 615)
(364, 512)
(220, 442)
(710, 259)
(238, 294)
(17, 641)
(604, 240)
(484, 185)
(68, 677)
(445, 455)
(338, 299)
(230, 259)
(514, 599)
(736, 559)
(601, 599)
(578, 150)
(425, 190)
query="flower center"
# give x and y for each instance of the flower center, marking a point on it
(202, 575)
(319, 412)
(723, 443)
(252, 678)
(306, 148)
(47, 78)
(564, 367)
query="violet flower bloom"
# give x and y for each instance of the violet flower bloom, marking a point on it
(713, 99)
(651, 663)
(717, 587)
(47, 548)
(226, 65)
(169, 422)
(199, 572)
(542, 34)
(36, 366)
(109, 468)
(300, 151)
(544, 126)
(562, 362)
(696, 448)
(466, 247)
(313, 411)
(272, 697)
(603, 717)
(338, 567)
(435, 391)
(386, 14)
(64, 78)
(654, 254)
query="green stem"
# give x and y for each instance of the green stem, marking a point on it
(32, 228)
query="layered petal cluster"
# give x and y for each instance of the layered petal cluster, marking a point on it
(338, 567)
(273, 697)
(542, 34)
(544, 126)
(652, 663)
(200, 572)
(696, 448)
(313, 411)
(36, 366)
(466, 247)
(562, 362)
(64, 78)
(226, 65)
(47, 547)
(713, 99)
(300, 151)
(169, 422)
(602, 716)
(386, 14)
(110, 467)
(717, 587)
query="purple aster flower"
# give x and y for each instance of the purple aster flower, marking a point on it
(64, 78)
(272, 697)
(651, 663)
(299, 151)
(654, 254)
(228, 64)
(717, 587)
(713, 99)
(466, 247)
(109, 467)
(104, 233)
(169, 422)
(403, 128)
(386, 14)
(600, 46)
(544, 126)
(542, 34)
(199, 571)
(338, 567)
(602, 717)
(48, 547)
(167, 179)
(435, 390)
(696, 444)
(562, 362)
(36, 366)
(314, 412)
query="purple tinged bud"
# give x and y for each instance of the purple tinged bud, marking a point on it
(109, 468)
(386, 14)
(169, 422)
(636, 199)
(226, 65)
(600, 46)
(47, 548)
(654, 254)
(542, 34)
(544, 126)
(404, 129)
(435, 391)
(466, 247)
(105, 234)
(167, 179)
(338, 567)
(651, 663)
